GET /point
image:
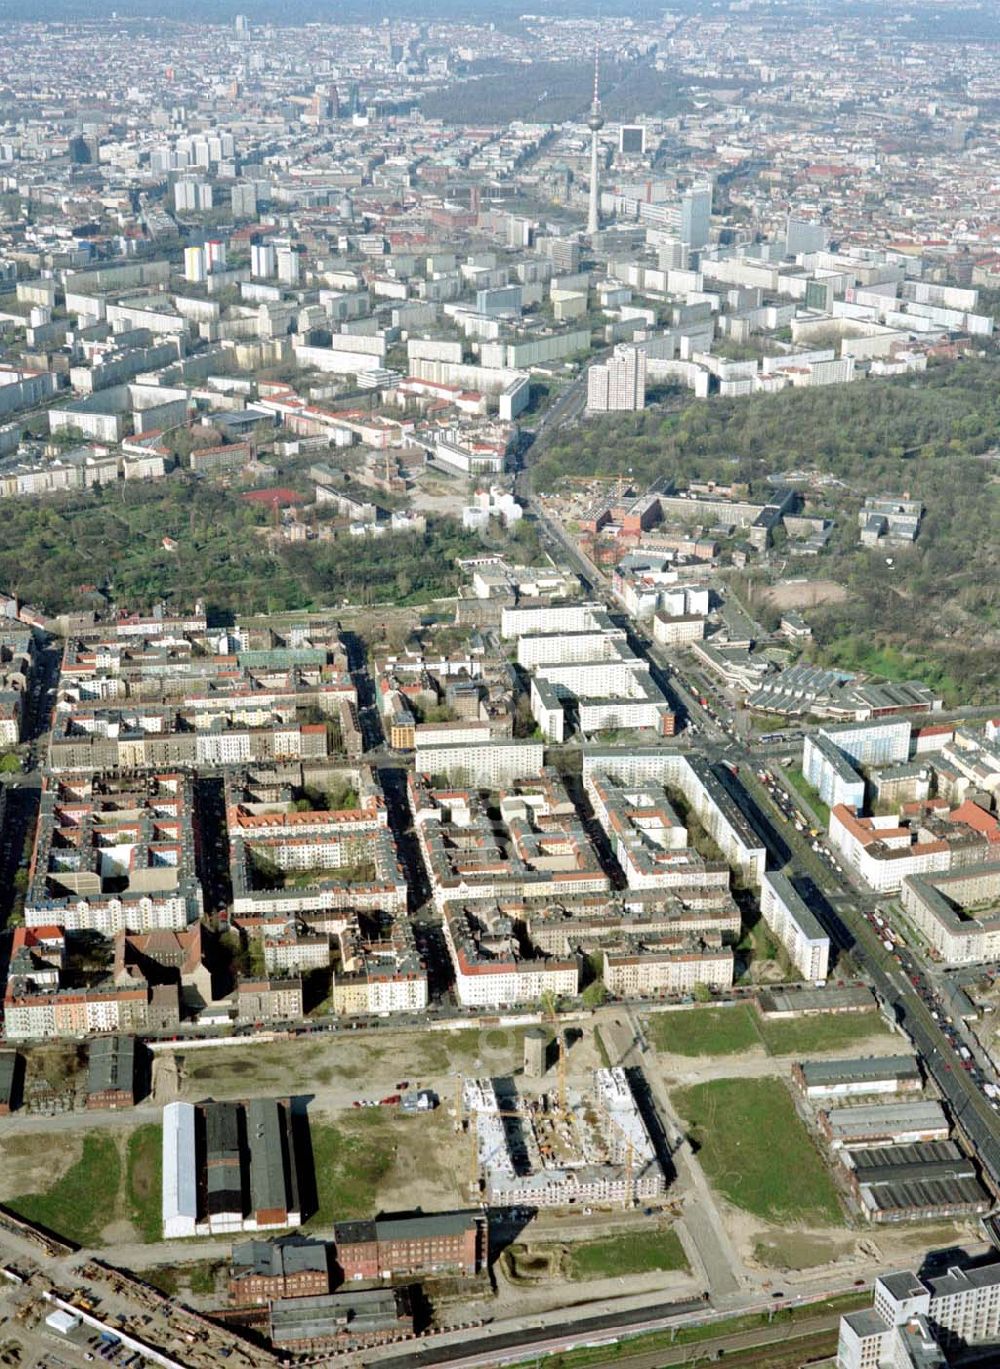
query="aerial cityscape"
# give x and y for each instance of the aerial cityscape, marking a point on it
(500, 684)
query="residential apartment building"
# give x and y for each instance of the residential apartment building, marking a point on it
(490, 971)
(831, 774)
(111, 857)
(914, 1320)
(268, 1000)
(380, 968)
(618, 385)
(484, 764)
(927, 838)
(795, 926)
(674, 965)
(711, 792)
(958, 912)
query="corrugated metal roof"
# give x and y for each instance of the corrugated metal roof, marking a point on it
(180, 1195)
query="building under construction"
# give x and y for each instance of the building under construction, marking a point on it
(559, 1152)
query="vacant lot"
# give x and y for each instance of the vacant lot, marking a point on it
(733, 1031)
(843, 1031)
(793, 1250)
(372, 1062)
(379, 1159)
(805, 593)
(143, 1170)
(756, 1152)
(705, 1031)
(84, 1199)
(633, 1252)
(199, 1277)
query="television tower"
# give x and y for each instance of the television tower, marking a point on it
(595, 123)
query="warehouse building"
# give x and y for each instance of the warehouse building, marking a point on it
(264, 1271)
(784, 1004)
(453, 1242)
(229, 1167)
(112, 1064)
(365, 1317)
(858, 1078)
(11, 1081)
(923, 1182)
(884, 1124)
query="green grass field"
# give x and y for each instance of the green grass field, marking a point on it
(732, 1031)
(704, 1031)
(638, 1252)
(755, 1151)
(805, 1035)
(143, 1171)
(350, 1162)
(84, 1200)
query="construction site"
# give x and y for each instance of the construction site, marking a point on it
(559, 1149)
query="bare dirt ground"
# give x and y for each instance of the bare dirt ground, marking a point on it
(440, 494)
(337, 1069)
(805, 593)
(681, 1070)
(31, 1164)
(802, 1251)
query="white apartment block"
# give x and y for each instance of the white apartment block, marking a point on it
(379, 991)
(883, 853)
(108, 914)
(675, 631)
(486, 765)
(525, 622)
(619, 384)
(713, 805)
(504, 983)
(958, 913)
(293, 954)
(567, 648)
(795, 927)
(879, 742)
(915, 1320)
(831, 774)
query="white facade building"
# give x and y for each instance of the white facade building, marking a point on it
(798, 930)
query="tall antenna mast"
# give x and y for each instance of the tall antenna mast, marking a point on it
(595, 123)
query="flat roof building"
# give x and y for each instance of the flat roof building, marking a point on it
(111, 1072)
(884, 1124)
(847, 1078)
(229, 1167)
(364, 1317)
